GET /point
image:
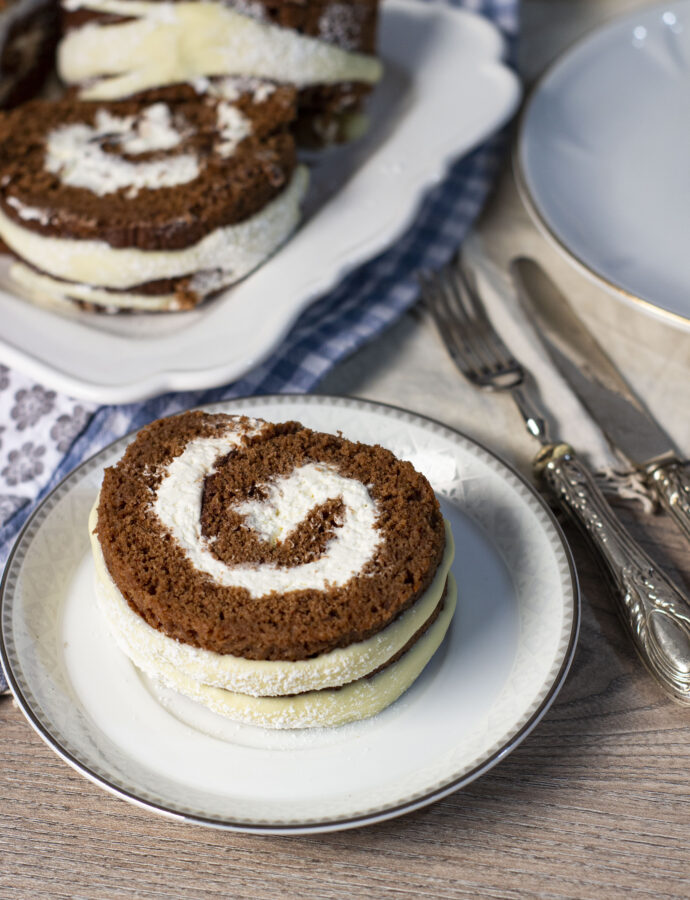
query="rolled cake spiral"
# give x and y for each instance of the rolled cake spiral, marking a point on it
(148, 206)
(278, 575)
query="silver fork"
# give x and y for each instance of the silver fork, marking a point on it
(654, 611)
(475, 346)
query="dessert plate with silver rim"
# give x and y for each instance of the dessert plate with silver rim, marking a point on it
(493, 678)
(601, 158)
(445, 89)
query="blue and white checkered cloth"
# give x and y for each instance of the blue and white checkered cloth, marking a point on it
(363, 305)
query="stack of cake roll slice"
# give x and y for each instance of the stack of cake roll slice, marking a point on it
(168, 169)
(279, 576)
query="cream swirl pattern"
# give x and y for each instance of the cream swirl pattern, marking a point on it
(76, 153)
(147, 205)
(250, 495)
(290, 498)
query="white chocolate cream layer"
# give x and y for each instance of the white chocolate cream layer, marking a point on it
(268, 678)
(44, 290)
(234, 250)
(360, 699)
(171, 43)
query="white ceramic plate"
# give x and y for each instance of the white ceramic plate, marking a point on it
(498, 670)
(602, 157)
(444, 90)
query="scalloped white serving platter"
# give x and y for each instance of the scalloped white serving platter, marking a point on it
(444, 90)
(498, 671)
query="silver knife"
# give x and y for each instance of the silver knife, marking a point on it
(605, 394)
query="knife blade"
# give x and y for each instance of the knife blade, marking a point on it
(603, 391)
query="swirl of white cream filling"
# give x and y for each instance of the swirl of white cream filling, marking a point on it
(289, 499)
(75, 153)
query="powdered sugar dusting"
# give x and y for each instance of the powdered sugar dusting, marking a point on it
(341, 24)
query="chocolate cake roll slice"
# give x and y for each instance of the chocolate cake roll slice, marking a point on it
(280, 576)
(148, 206)
(326, 48)
(28, 36)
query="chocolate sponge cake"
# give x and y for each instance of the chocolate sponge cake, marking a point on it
(148, 205)
(278, 575)
(326, 48)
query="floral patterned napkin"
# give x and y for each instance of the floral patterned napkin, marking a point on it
(39, 426)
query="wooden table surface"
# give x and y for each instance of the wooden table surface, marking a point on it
(594, 803)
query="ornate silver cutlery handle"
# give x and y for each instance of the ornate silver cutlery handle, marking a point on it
(654, 611)
(672, 484)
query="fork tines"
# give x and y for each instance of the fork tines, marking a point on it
(476, 348)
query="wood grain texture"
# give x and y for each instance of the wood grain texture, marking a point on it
(595, 803)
